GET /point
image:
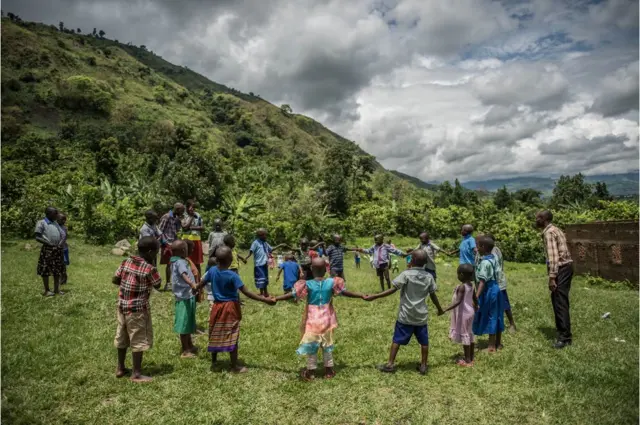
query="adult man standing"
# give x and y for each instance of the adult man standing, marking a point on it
(560, 269)
(170, 225)
(216, 238)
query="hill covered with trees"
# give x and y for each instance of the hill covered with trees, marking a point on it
(105, 130)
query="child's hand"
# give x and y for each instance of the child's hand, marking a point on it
(270, 300)
(368, 297)
(440, 312)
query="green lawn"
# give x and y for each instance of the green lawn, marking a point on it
(58, 358)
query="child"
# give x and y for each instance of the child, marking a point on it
(395, 268)
(135, 278)
(357, 258)
(185, 290)
(463, 305)
(432, 251)
(502, 283)
(230, 242)
(489, 319)
(225, 315)
(261, 250)
(150, 228)
(380, 254)
(467, 249)
(415, 284)
(335, 252)
(62, 221)
(51, 261)
(292, 272)
(320, 317)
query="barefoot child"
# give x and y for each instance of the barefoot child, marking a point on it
(380, 254)
(64, 232)
(185, 290)
(135, 278)
(292, 272)
(357, 258)
(489, 319)
(463, 305)
(320, 317)
(415, 285)
(335, 253)
(432, 251)
(261, 250)
(225, 316)
(51, 261)
(502, 283)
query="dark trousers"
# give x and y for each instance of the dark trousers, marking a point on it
(560, 302)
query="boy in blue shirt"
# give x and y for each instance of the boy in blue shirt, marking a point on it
(292, 272)
(467, 250)
(260, 249)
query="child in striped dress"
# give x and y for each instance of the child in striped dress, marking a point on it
(320, 317)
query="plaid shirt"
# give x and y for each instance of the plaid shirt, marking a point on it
(170, 225)
(136, 279)
(556, 247)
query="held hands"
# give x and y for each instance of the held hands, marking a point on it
(270, 300)
(368, 297)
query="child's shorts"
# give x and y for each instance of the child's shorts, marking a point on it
(402, 334)
(505, 300)
(381, 268)
(135, 331)
(261, 276)
(185, 317)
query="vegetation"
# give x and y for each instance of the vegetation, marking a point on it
(58, 360)
(105, 130)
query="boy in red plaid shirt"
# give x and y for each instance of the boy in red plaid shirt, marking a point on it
(135, 277)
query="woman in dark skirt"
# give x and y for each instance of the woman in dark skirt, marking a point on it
(51, 261)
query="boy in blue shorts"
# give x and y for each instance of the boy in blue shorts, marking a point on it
(415, 284)
(292, 272)
(260, 249)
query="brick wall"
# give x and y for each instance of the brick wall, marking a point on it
(607, 249)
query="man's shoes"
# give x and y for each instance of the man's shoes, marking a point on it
(561, 344)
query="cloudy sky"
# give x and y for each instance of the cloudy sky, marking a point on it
(438, 89)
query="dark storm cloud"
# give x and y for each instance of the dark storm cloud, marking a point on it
(583, 145)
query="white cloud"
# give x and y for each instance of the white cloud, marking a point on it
(438, 89)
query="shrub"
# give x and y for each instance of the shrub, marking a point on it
(85, 93)
(13, 85)
(91, 61)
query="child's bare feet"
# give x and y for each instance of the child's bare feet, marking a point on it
(512, 329)
(122, 372)
(188, 355)
(423, 369)
(329, 372)
(306, 375)
(194, 350)
(239, 369)
(490, 350)
(48, 294)
(464, 363)
(387, 368)
(60, 293)
(499, 347)
(138, 379)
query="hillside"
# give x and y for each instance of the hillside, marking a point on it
(87, 121)
(618, 184)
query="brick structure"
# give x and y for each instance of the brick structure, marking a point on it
(608, 249)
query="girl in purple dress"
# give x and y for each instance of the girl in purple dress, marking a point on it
(463, 304)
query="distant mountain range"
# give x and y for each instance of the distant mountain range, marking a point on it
(624, 185)
(618, 184)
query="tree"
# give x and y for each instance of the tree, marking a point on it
(570, 190)
(363, 166)
(94, 32)
(79, 31)
(502, 199)
(601, 192)
(527, 196)
(61, 25)
(457, 197)
(443, 194)
(101, 33)
(286, 110)
(338, 167)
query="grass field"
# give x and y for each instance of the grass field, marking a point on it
(58, 359)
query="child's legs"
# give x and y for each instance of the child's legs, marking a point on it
(401, 336)
(56, 283)
(468, 353)
(422, 335)
(122, 355)
(498, 339)
(472, 351)
(327, 358)
(167, 275)
(312, 361)
(185, 341)
(45, 281)
(137, 363)
(509, 314)
(234, 358)
(492, 342)
(424, 351)
(386, 277)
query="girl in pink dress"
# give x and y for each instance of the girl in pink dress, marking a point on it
(319, 319)
(464, 304)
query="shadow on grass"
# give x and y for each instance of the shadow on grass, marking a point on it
(549, 333)
(158, 369)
